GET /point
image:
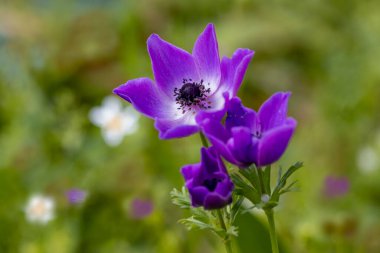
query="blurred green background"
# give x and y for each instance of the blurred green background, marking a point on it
(60, 59)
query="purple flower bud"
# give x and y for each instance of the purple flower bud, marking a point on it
(185, 83)
(76, 196)
(140, 208)
(208, 182)
(336, 186)
(249, 137)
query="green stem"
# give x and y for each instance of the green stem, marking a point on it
(227, 240)
(272, 230)
(203, 139)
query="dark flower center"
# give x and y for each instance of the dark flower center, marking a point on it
(257, 134)
(211, 184)
(190, 95)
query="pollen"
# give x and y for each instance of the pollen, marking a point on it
(192, 96)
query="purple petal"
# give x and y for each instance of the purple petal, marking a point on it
(215, 201)
(170, 65)
(215, 129)
(145, 97)
(189, 171)
(176, 128)
(210, 122)
(225, 188)
(233, 70)
(197, 195)
(243, 146)
(208, 180)
(273, 112)
(218, 103)
(238, 115)
(216, 133)
(223, 149)
(274, 143)
(206, 56)
(221, 165)
(209, 160)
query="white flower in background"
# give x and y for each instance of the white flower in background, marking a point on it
(368, 159)
(40, 209)
(115, 120)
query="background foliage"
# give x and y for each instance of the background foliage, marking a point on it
(59, 59)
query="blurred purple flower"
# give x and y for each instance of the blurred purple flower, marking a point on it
(336, 186)
(208, 182)
(185, 83)
(76, 196)
(140, 208)
(249, 137)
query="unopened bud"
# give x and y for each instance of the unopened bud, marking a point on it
(265, 198)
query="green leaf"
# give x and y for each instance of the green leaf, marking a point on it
(289, 188)
(233, 231)
(282, 181)
(279, 176)
(193, 223)
(200, 213)
(251, 175)
(289, 172)
(238, 181)
(180, 198)
(248, 209)
(245, 189)
(203, 219)
(236, 208)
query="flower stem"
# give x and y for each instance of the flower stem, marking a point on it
(272, 230)
(227, 240)
(203, 139)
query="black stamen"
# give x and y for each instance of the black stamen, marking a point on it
(192, 94)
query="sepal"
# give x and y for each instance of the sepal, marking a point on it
(253, 183)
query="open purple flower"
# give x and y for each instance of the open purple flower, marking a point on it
(185, 83)
(208, 182)
(249, 137)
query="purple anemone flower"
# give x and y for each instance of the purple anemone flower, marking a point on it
(249, 137)
(208, 182)
(185, 83)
